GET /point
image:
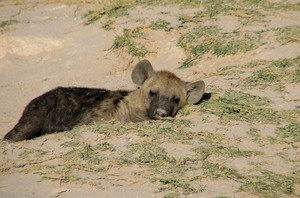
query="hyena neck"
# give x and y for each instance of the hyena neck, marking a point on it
(131, 109)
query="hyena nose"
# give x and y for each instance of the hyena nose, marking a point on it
(161, 112)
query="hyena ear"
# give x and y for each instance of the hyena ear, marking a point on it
(195, 91)
(141, 72)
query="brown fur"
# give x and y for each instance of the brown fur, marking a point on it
(159, 94)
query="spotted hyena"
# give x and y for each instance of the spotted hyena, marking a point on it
(158, 94)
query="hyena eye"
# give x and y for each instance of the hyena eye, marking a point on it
(176, 99)
(152, 93)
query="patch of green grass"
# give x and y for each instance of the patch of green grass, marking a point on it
(108, 25)
(147, 154)
(93, 16)
(287, 6)
(234, 45)
(215, 7)
(276, 72)
(186, 19)
(240, 106)
(7, 23)
(161, 25)
(113, 9)
(141, 20)
(175, 194)
(190, 41)
(187, 110)
(285, 156)
(222, 197)
(104, 147)
(211, 138)
(65, 166)
(288, 34)
(273, 74)
(229, 70)
(182, 184)
(282, 63)
(254, 64)
(205, 39)
(270, 184)
(160, 130)
(216, 171)
(82, 157)
(86, 156)
(209, 39)
(255, 135)
(117, 11)
(263, 77)
(296, 76)
(223, 151)
(246, 11)
(33, 153)
(72, 143)
(250, 8)
(63, 177)
(4, 24)
(130, 41)
(290, 133)
(86, 153)
(81, 160)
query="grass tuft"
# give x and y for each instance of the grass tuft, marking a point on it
(4, 24)
(147, 154)
(130, 41)
(270, 184)
(223, 151)
(239, 106)
(277, 72)
(182, 184)
(161, 25)
(209, 39)
(288, 34)
(290, 133)
(216, 171)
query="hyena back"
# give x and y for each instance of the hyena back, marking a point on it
(159, 94)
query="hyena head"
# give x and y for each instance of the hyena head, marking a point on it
(162, 92)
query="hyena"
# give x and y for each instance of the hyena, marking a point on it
(159, 94)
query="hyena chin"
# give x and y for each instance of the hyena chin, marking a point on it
(158, 94)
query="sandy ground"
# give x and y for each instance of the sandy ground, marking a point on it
(50, 46)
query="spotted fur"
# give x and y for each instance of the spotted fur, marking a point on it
(158, 94)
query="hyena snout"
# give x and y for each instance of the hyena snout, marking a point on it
(157, 113)
(162, 108)
(161, 112)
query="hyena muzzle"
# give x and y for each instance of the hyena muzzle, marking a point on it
(158, 94)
